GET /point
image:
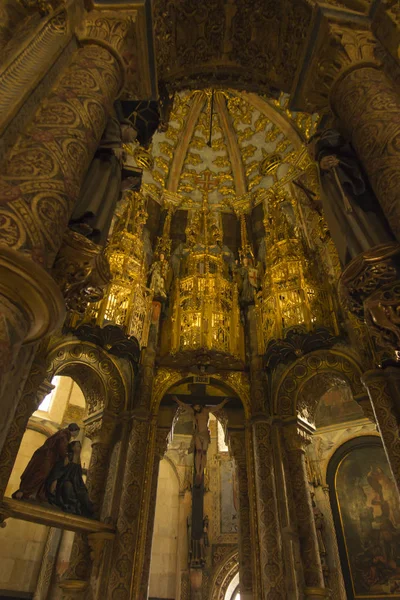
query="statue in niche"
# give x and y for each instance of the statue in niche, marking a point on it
(54, 450)
(104, 182)
(354, 216)
(201, 435)
(65, 486)
(159, 271)
(247, 280)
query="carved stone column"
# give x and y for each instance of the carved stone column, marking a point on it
(36, 388)
(379, 389)
(335, 577)
(131, 518)
(237, 444)
(47, 564)
(369, 109)
(41, 179)
(100, 431)
(161, 442)
(270, 542)
(296, 439)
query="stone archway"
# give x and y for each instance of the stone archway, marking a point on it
(302, 384)
(223, 576)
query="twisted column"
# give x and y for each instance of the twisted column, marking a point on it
(47, 563)
(237, 444)
(379, 388)
(296, 441)
(270, 542)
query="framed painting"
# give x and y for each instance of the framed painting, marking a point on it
(366, 510)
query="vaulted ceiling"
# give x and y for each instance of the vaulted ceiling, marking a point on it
(248, 146)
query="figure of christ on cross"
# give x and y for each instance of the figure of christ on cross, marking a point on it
(201, 434)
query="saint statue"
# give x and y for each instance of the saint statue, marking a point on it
(65, 486)
(159, 271)
(354, 216)
(201, 435)
(54, 450)
(247, 279)
(102, 186)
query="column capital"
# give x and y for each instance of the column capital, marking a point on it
(339, 40)
(99, 428)
(297, 436)
(111, 29)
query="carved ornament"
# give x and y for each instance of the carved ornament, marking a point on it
(81, 270)
(335, 44)
(369, 288)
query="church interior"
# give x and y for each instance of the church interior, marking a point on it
(199, 299)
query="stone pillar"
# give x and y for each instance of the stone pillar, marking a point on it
(237, 444)
(297, 439)
(335, 577)
(294, 577)
(35, 389)
(131, 520)
(41, 179)
(47, 565)
(369, 109)
(161, 441)
(379, 388)
(270, 542)
(100, 432)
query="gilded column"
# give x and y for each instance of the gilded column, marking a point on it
(237, 444)
(379, 388)
(161, 441)
(270, 542)
(35, 389)
(41, 178)
(297, 439)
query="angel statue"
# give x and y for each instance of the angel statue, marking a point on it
(201, 435)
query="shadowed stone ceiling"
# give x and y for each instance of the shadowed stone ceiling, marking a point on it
(234, 43)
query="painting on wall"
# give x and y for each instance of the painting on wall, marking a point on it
(337, 406)
(366, 508)
(229, 504)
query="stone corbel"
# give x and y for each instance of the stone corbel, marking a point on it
(82, 271)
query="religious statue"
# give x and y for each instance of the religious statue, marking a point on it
(354, 216)
(247, 278)
(158, 277)
(201, 435)
(54, 450)
(102, 187)
(65, 486)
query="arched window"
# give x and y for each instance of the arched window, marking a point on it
(236, 594)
